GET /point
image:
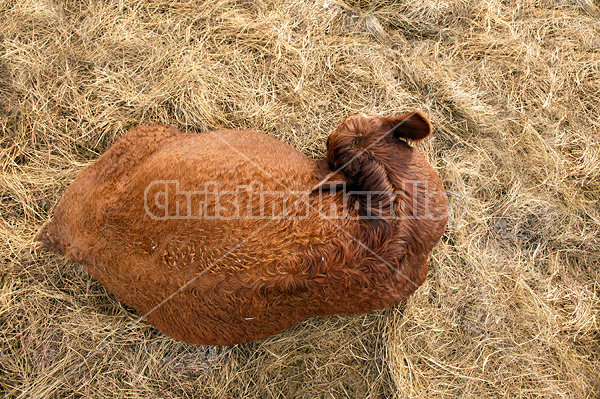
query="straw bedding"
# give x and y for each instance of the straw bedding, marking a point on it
(511, 304)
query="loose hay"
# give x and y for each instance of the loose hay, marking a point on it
(511, 304)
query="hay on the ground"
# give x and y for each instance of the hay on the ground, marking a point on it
(511, 305)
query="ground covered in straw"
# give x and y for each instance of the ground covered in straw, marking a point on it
(511, 305)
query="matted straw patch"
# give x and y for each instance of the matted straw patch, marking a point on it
(511, 304)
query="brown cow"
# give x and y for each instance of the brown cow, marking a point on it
(229, 236)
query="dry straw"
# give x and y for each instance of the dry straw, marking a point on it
(511, 305)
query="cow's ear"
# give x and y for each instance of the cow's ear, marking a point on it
(412, 125)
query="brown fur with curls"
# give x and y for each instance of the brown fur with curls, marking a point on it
(232, 284)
